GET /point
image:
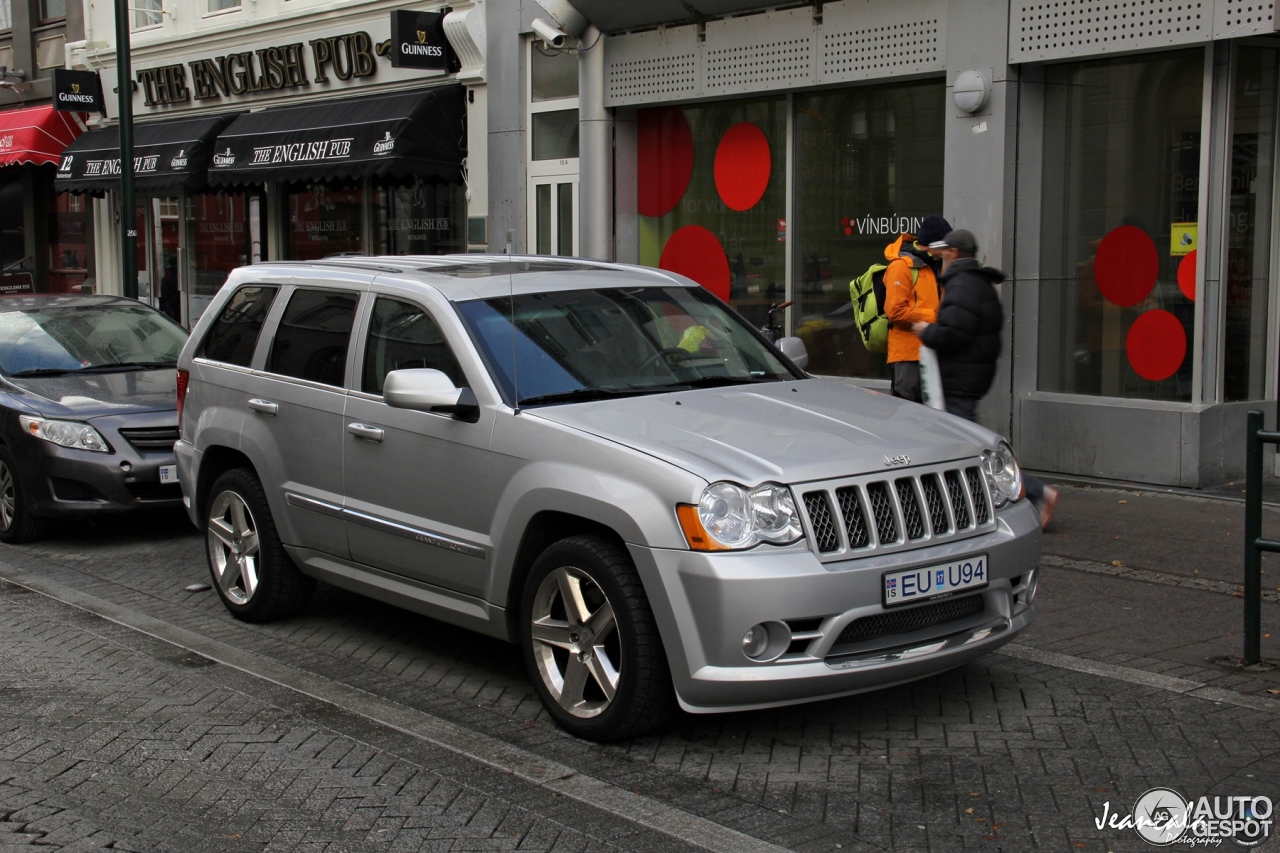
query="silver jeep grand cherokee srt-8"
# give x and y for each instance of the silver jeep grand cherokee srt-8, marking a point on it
(600, 462)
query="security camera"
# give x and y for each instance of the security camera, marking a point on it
(549, 34)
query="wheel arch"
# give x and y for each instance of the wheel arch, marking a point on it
(544, 529)
(216, 461)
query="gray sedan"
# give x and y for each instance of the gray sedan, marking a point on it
(88, 412)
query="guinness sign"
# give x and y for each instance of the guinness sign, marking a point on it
(418, 41)
(77, 91)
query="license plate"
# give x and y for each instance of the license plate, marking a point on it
(168, 473)
(932, 581)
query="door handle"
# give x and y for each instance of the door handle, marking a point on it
(266, 407)
(368, 433)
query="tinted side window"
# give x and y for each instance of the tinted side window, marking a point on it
(311, 342)
(235, 334)
(401, 336)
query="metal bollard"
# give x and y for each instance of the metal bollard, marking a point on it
(1254, 544)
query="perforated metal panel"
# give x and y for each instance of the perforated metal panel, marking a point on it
(861, 41)
(1233, 18)
(1057, 29)
(783, 49)
(645, 68)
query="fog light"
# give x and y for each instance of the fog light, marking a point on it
(755, 642)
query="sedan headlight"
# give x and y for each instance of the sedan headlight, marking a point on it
(730, 516)
(65, 433)
(1002, 473)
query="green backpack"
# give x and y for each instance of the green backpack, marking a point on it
(867, 293)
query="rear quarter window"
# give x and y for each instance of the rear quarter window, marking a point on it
(234, 335)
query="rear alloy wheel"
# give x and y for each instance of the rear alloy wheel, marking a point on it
(253, 575)
(17, 524)
(591, 644)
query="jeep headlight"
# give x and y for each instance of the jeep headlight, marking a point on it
(1004, 477)
(71, 434)
(729, 516)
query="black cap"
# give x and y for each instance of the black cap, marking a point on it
(961, 240)
(932, 228)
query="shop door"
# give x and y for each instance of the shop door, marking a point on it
(164, 232)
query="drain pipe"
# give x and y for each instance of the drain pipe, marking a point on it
(595, 154)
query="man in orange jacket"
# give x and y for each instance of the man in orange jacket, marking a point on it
(911, 296)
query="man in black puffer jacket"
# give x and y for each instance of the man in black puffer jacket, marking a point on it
(966, 337)
(966, 334)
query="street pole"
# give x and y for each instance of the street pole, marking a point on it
(128, 216)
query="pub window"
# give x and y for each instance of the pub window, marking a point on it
(146, 13)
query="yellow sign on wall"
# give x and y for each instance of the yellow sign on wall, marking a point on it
(1183, 238)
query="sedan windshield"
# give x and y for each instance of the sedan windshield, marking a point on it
(66, 339)
(579, 345)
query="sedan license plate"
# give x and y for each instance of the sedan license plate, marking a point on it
(932, 581)
(168, 473)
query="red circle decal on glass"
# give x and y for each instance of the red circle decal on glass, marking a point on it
(1156, 345)
(1126, 265)
(695, 252)
(743, 163)
(1187, 275)
(664, 159)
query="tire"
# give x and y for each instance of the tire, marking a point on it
(253, 575)
(17, 524)
(599, 667)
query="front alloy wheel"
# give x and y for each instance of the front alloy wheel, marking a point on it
(576, 643)
(591, 643)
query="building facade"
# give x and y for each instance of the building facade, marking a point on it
(1116, 158)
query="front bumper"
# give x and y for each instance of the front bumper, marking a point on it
(704, 604)
(60, 481)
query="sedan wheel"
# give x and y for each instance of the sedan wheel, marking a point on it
(253, 575)
(17, 524)
(591, 644)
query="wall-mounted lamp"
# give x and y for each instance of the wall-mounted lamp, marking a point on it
(972, 89)
(6, 72)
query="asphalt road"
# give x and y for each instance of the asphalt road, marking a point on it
(138, 716)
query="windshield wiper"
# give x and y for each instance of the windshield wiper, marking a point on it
(119, 366)
(42, 371)
(717, 382)
(584, 395)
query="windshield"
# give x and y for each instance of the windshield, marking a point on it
(576, 345)
(87, 337)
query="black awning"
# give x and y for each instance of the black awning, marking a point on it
(167, 155)
(406, 134)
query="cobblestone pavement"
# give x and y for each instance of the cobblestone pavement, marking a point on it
(139, 716)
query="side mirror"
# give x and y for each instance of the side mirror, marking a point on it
(428, 390)
(793, 348)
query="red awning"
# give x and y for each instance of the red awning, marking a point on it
(37, 134)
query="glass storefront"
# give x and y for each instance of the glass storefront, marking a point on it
(227, 233)
(70, 243)
(1118, 229)
(712, 188)
(869, 165)
(1249, 223)
(417, 218)
(712, 198)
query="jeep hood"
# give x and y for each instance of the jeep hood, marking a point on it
(791, 432)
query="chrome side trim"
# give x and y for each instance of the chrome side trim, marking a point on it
(322, 507)
(434, 539)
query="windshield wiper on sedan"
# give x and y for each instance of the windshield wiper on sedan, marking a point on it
(584, 395)
(121, 366)
(43, 371)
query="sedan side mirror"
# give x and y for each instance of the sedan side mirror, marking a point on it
(428, 390)
(794, 349)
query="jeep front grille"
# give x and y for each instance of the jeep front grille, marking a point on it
(875, 514)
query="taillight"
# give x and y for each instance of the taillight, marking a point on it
(183, 377)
